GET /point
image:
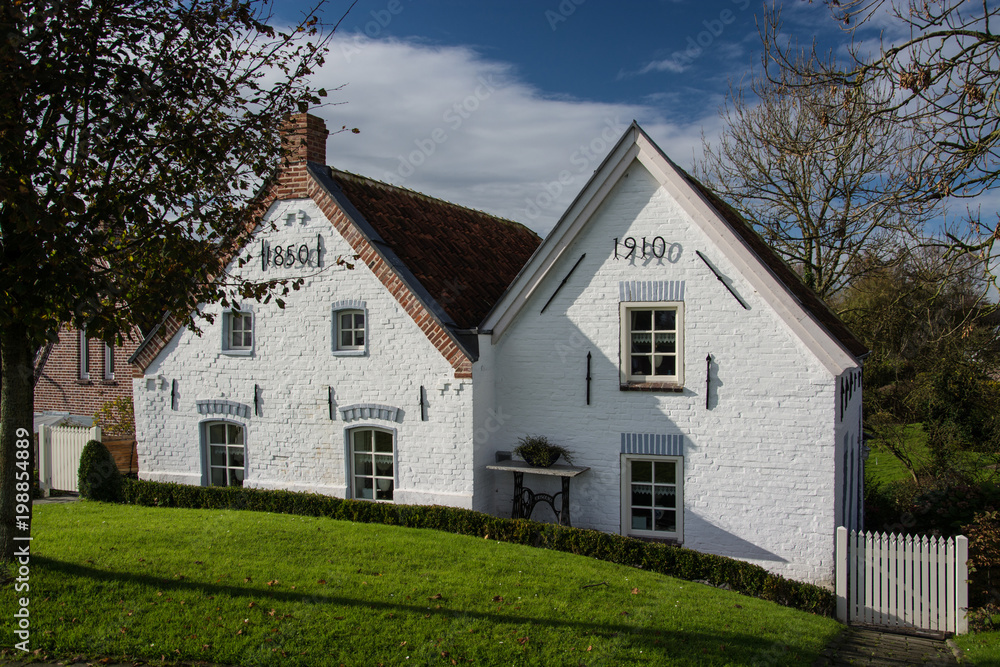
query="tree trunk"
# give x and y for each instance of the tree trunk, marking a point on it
(17, 398)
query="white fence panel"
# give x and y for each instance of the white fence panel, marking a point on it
(59, 449)
(902, 582)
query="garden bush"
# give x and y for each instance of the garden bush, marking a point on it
(664, 559)
(98, 476)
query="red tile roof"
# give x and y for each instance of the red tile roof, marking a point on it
(462, 257)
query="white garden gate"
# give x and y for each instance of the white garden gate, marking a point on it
(902, 582)
(59, 449)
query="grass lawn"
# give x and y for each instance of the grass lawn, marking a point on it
(248, 588)
(981, 649)
(882, 465)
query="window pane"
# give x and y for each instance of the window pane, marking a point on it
(383, 466)
(642, 519)
(665, 342)
(666, 472)
(236, 477)
(642, 471)
(666, 320)
(363, 488)
(362, 464)
(217, 434)
(236, 457)
(383, 489)
(247, 339)
(383, 441)
(666, 496)
(363, 441)
(642, 494)
(642, 343)
(218, 476)
(359, 321)
(641, 366)
(666, 365)
(642, 320)
(345, 339)
(235, 434)
(345, 321)
(359, 338)
(218, 455)
(666, 520)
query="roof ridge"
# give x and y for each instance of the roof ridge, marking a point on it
(400, 188)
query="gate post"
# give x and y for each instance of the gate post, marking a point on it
(44, 461)
(961, 585)
(840, 572)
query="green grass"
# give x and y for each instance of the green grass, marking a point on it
(981, 649)
(248, 588)
(882, 465)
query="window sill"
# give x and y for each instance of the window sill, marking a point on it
(665, 387)
(82, 381)
(109, 383)
(238, 353)
(669, 541)
(350, 353)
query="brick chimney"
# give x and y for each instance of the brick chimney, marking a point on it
(303, 137)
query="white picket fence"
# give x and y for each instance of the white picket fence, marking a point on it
(59, 449)
(902, 582)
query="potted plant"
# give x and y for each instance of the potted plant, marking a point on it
(537, 451)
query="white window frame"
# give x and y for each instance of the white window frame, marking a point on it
(343, 308)
(391, 480)
(109, 361)
(626, 497)
(227, 327)
(627, 377)
(227, 466)
(83, 355)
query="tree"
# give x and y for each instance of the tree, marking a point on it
(817, 174)
(134, 135)
(943, 79)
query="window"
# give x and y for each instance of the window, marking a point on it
(652, 343)
(237, 332)
(83, 355)
(350, 328)
(109, 361)
(652, 503)
(372, 463)
(226, 454)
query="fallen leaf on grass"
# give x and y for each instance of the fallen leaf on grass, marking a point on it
(272, 582)
(252, 603)
(522, 640)
(436, 597)
(635, 591)
(248, 580)
(321, 581)
(497, 598)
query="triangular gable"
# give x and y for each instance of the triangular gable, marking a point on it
(803, 312)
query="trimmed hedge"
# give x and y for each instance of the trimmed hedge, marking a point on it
(673, 561)
(98, 477)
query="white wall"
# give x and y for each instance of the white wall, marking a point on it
(293, 444)
(758, 464)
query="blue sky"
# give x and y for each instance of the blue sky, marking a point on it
(509, 106)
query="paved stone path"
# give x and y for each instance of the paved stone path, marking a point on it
(861, 646)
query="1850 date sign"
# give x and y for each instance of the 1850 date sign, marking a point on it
(657, 248)
(287, 256)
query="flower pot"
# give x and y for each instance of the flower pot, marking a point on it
(541, 459)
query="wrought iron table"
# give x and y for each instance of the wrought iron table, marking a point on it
(525, 499)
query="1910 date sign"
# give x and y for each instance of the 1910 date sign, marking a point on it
(657, 248)
(287, 256)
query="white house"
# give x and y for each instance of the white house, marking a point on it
(708, 397)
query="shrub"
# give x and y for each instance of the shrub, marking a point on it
(536, 450)
(984, 563)
(99, 478)
(664, 559)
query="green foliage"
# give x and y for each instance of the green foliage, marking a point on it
(674, 561)
(536, 450)
(116, 417)
(984, 561)
(99, 478)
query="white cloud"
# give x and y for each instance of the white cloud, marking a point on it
(450, 123)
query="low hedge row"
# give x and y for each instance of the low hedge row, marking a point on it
(673, 561)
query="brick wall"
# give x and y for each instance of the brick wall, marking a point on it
(292, 443)
(759, 464)
(60, 387)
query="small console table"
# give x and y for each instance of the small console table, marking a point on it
(525, 499)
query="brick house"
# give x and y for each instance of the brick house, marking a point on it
(708, 397)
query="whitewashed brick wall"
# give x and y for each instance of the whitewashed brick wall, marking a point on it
(293, 444)
(758, 465)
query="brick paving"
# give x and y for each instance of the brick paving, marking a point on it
(862, 646)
